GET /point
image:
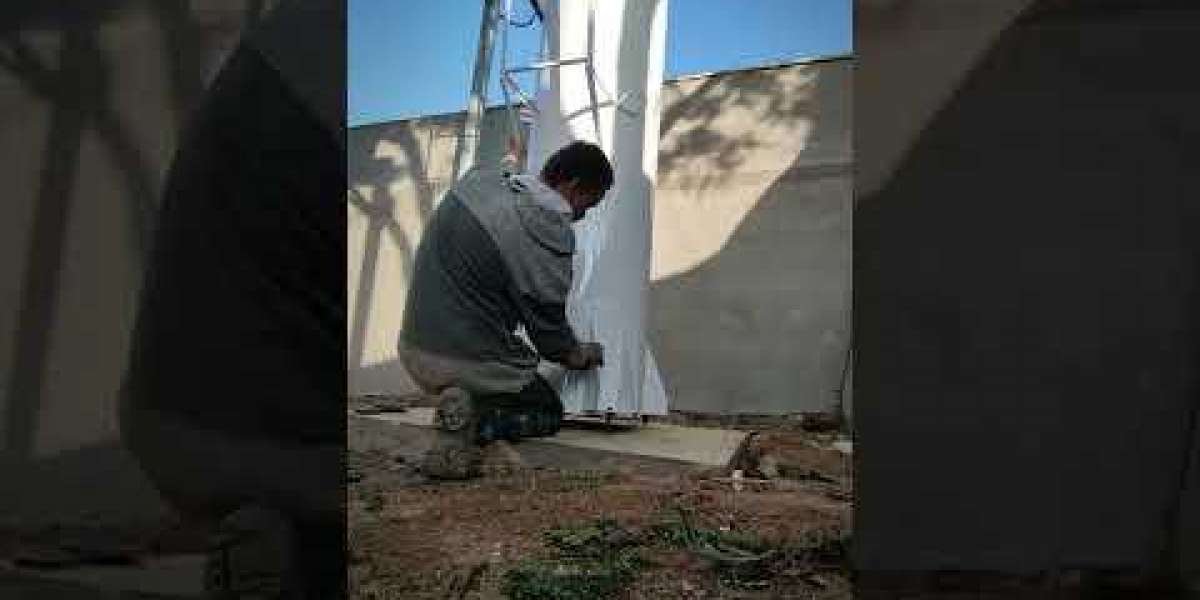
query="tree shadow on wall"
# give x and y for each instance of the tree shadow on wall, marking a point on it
(762, 326)
(368, 171)
(98, 482)
(77, 87)
(1044, 327)
(692, 126)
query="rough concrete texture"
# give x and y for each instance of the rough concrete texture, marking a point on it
(175, 577)
(1025, 301)
(703, 446)
(750, 274)
(408, 441)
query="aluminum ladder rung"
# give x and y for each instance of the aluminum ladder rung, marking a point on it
(548, 64)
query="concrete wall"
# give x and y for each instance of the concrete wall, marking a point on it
(85, 155)
(1025, 291)
(750, 285)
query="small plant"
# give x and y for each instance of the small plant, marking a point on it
(593, 560)
(586, 480)
(373, 499)
(590, 540)
(679, 531)
(572, 579)
(741, 559)
(826, 547)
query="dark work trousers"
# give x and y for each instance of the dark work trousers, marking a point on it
(537, 400)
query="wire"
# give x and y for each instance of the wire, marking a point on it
(536, 16)
(520, 25)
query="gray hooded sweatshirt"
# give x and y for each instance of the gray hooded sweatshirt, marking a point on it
(495, 256)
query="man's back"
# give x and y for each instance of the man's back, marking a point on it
(492, 258)
(497, 256)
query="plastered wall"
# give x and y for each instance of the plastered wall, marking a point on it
(750, 276)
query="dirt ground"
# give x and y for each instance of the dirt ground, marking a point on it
(555, 522)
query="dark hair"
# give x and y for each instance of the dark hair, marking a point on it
(579, 160)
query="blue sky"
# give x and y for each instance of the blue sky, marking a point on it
(411, 58)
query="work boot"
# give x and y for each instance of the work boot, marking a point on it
(456, 451)
(536, 411)
(505, 417)
(549, 417)
(253, 556)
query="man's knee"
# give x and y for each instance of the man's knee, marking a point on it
(428, 381)
(154, 442)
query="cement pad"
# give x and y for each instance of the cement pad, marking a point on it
(704, 446)
(167, 577)
(420, 416)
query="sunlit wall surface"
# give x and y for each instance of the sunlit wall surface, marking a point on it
(750, 274)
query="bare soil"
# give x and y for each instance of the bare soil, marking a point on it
(412, 538)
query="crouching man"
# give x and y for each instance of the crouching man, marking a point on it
(496, 256)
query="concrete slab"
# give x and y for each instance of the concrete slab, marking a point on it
(712, 447)
(166, 577)
(420, 416)
(405, 444)
(704, 446)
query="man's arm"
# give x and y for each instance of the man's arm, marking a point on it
(585, 356)
(542, 272)
(543, 309)
(546, 323)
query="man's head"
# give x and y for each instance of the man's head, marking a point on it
(580, 173)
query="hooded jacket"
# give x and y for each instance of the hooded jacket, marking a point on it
(496, 256)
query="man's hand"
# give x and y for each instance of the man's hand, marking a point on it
(586, 356)
(516, 152)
